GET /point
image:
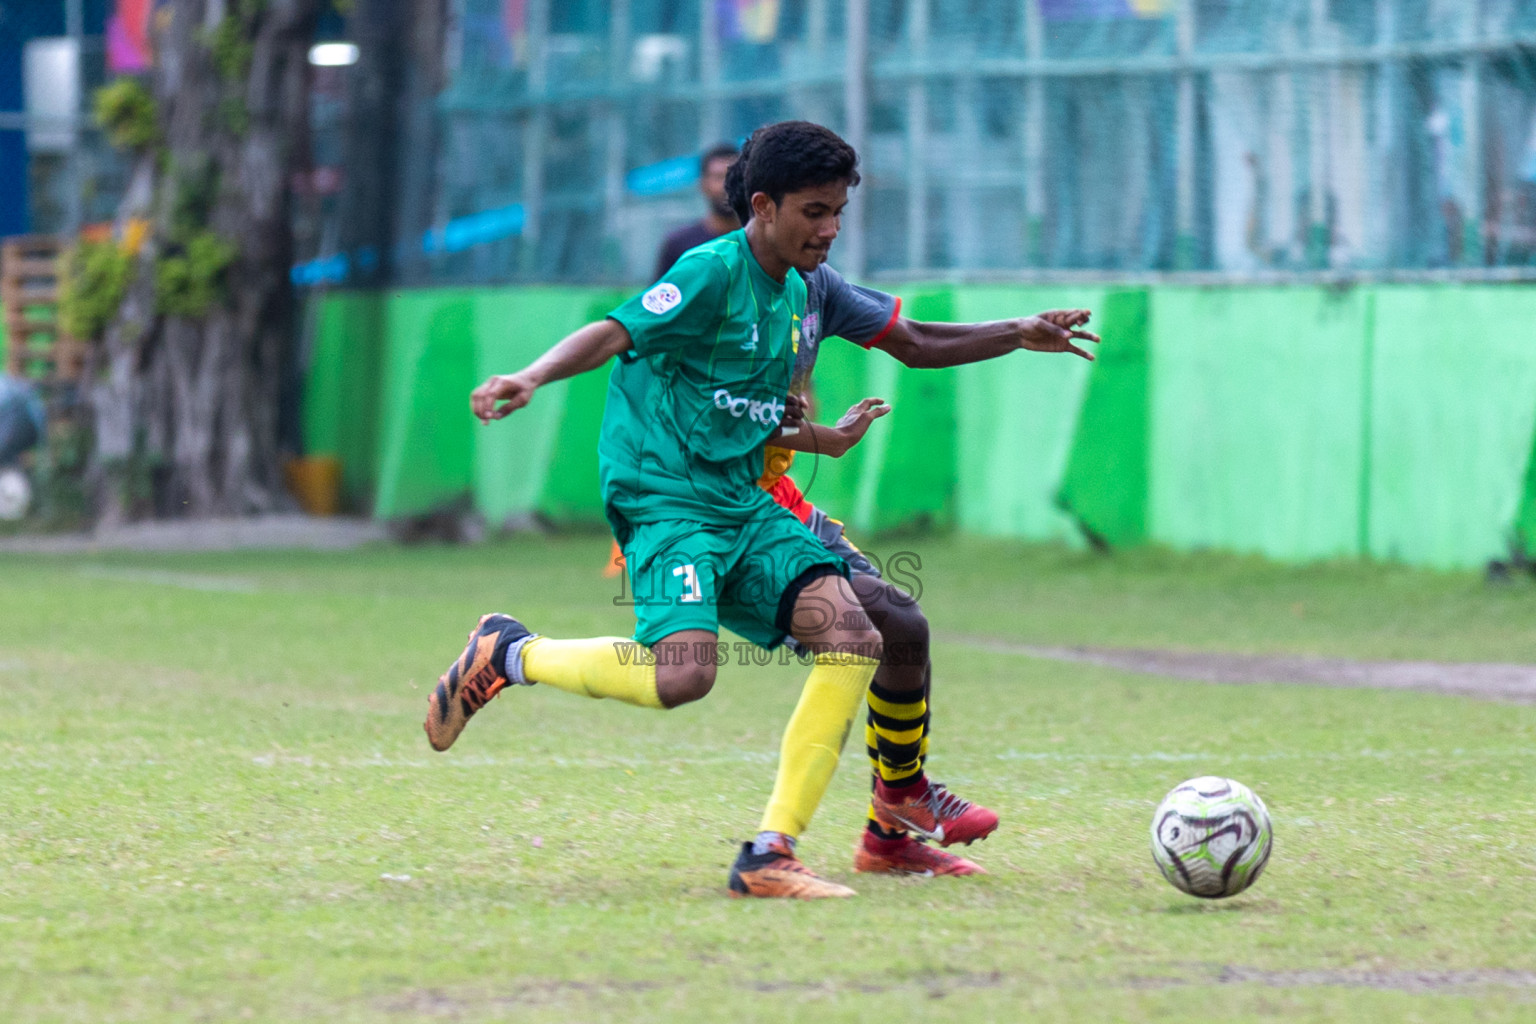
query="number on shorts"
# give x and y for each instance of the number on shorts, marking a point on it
(691, 591)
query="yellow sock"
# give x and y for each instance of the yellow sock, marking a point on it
(594, 667)
(814, 739)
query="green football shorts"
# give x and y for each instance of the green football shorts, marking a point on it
(691, 575)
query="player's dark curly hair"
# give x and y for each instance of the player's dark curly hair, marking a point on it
(786, 157)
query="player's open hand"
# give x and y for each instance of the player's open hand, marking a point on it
(511, 390)
(855, 422)
(1056, 330)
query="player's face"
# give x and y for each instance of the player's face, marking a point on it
(806, 223)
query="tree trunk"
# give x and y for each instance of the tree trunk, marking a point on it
(186, 404)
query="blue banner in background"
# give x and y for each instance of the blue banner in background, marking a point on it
(667, 176)
(458, 234)
(487, 226)
(462, 233)
(1103, 10)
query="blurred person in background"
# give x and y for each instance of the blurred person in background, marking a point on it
(719, 219)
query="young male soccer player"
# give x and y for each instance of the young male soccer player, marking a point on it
(903, 801)
(899, 696)
(705, 363)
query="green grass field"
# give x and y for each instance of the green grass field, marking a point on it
(217, 804)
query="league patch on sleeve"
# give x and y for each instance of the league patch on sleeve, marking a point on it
(661, 298)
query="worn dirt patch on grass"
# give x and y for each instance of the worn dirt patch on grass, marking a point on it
(1384, 980)
(1492, 681)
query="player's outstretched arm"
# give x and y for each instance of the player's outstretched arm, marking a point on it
(586, 349)
(835, 440)
(932, 345)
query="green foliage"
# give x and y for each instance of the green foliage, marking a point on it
(95, 279)
(234, 116)
(128, 114)
(220, 805)
(196, 187)
(58, 477)
(231, 47)
(191, 281)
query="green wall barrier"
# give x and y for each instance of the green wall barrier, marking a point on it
(1104, 486)
(1453, 411)
(1256, 419)
(1523, 532)
(341, 394)
(902, 473)
(916, 482)
(1016, 420)
(1395, 422)
(571, 489)
(426, 435)
(549, 447)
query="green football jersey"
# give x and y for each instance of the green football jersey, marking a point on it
(691, 405)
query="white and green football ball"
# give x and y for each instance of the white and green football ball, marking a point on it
(1211, 837)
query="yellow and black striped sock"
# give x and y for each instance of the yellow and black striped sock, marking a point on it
(871, 746)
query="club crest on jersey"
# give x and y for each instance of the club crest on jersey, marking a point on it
(812, 328)
(750, 345)
(661, 298)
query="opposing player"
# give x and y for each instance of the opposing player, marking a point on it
(904, 802)
(705, 360)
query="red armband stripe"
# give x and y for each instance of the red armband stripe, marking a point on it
(895, 315)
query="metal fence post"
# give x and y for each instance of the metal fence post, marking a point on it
(538, 128)
(917, 138)
(856, 110)
(1034, 138)
(1185, 246)
(616, 142)
(711, 120)
(1472, 246)
(1318, 240)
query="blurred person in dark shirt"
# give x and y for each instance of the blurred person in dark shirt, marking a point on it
(720, 218)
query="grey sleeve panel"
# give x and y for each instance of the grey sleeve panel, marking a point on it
(850, 311)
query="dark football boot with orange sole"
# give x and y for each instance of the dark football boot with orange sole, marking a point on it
(478, 675)
(779, 874)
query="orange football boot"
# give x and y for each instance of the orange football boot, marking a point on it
(779, 874)
(470, 682)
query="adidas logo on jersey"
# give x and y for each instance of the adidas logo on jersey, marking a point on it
(767, 413)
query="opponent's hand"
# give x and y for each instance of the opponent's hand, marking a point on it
(796, 409)
(512, 390)
(1055, 330)
(855, 422)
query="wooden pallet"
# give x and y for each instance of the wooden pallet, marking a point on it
(35, 346)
